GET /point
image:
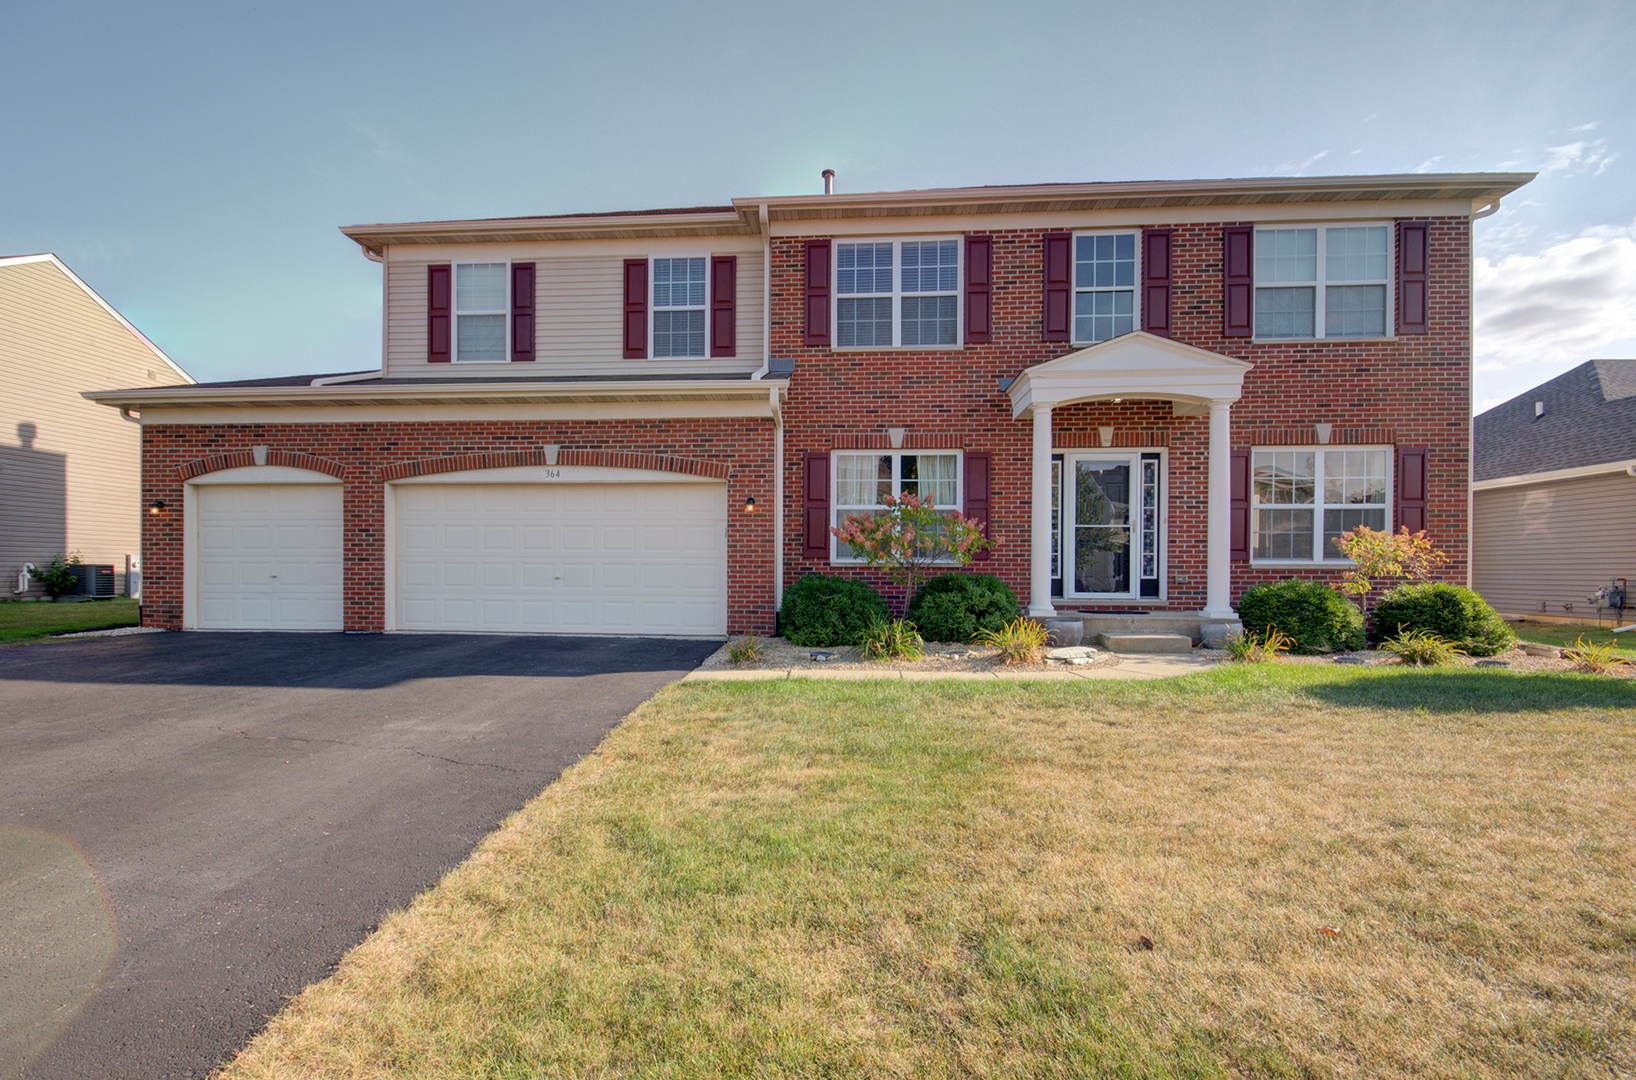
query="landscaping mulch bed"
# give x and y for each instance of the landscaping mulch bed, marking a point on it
(940, 656)
(1515, 660)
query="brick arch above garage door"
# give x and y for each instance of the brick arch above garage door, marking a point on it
(240, 459)
(509, 459)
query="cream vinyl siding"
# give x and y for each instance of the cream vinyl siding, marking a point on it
(1553, 543)
(579, 319)
(70, 470)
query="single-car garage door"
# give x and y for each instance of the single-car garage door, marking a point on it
(269, 556)
(619, 558)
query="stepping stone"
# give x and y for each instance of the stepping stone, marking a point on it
(1147, 643)
(1542, 650)
(1491, 663)
(1071, 652)
(821, 657)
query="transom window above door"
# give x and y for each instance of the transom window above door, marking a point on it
(1104, 286)
(482, 299)
(1323, 282)
(863, 480)
(891, 293)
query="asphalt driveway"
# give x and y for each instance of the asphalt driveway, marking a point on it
(195, 826)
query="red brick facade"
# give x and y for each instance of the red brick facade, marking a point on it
(1408, 391)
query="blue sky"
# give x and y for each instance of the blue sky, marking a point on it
(192, 161)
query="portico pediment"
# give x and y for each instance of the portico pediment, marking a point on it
(1136, 366)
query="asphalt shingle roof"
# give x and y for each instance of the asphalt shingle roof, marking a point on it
(1589, 419)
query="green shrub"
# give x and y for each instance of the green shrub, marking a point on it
(1316, 617)
(822, 611)
(955, 607)
(1451, 612)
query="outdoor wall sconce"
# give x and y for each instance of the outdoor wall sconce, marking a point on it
(750, 504)
(158, 507)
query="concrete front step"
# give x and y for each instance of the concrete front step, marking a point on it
(1146, 643)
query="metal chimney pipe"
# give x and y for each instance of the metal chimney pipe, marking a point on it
(829, 181)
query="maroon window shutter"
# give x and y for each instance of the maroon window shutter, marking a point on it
(438, 316)
(1238, 292)
(817, 315)
(979, 286)
(636, 309)
(1156, 281)
(815, 506)
(724, 305)
(1412, 289)
(1411, 488)
(1238, 504)
(522, 311)
(978, 468)
(1059, 288)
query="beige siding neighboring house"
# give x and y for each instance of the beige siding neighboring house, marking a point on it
(1554, 497)
(70, 470)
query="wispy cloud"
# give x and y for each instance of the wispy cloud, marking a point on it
(379, 144)
(1294, 168)
(1370, 117)
(1592, 126)
(1584, 156)
(1427, 165)
(1566, 303)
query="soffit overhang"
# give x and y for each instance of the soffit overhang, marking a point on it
(1135, 367)
(433, 394)
(1479, 189)
(704, 221)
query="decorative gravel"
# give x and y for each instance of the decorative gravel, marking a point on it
(940, 656)
(1514, 660)
(118, 631)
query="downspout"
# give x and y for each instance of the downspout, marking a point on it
(778, 501)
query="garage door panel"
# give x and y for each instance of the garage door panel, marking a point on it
(269, 557)
(624, 558)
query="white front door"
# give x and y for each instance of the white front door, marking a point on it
(1110, 531)
(269, 556)
(616, 558)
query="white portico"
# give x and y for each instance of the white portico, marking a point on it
(1135, 367)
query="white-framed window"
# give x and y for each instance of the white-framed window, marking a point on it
(1105, 295)
(1323, 281)
(482, 310)
(863, 478)
(680, 288)
(1303, 497)
(892, 293)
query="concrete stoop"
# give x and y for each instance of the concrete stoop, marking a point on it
(1146, 643)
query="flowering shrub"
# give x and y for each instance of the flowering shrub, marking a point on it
(1381, 554)
(910, 536)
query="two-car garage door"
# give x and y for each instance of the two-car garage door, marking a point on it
(619, 558)
(564, 558)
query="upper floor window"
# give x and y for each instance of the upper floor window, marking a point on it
(1104, 286)
(1304, 498)
(1322, 282)
(897, 293)
(679, 306)
(482, 298)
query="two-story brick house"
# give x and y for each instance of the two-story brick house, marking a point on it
(1154, 394)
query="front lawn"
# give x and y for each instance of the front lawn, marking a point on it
(1562, 635)
(21, 622)
(1271, 871)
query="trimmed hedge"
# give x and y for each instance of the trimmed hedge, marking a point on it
(955, 607)
(1315, 616)
(821, 611)
(1452, 612)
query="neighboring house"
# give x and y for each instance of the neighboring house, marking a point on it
(1154, 394)
(1554, 494)
(70, 470)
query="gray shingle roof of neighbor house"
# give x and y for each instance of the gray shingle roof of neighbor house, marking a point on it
(1589, 418)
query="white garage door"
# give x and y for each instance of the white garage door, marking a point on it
(562, 558)
(269, 557)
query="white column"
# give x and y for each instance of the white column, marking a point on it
(1218, 566)
(1039, 567)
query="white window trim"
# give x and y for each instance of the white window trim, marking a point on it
(897, 243)
(1318, 505)
(454, 310)
(1319, 310)
(1134, 454)
(1075, 290)
(835, 484)
(653, 308)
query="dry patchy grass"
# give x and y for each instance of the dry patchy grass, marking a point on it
(818, 879)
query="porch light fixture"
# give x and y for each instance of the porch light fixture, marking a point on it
(158, 507)
(750, 504)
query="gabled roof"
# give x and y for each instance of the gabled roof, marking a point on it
(61, 267)
(1138, 366)
(1589, 418)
